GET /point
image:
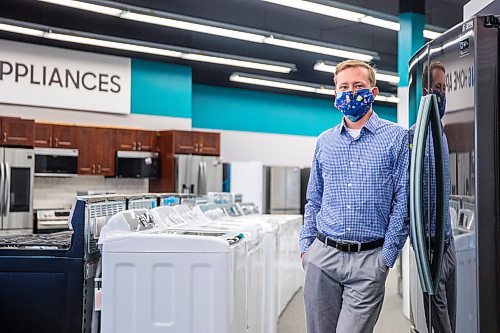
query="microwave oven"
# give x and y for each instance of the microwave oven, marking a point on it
(56, 162)
(137, 164)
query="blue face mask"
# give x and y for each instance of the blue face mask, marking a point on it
(441, 99)
(354, 104)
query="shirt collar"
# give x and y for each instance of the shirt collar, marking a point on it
(371, 125)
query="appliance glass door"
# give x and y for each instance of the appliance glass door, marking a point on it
(17, 197)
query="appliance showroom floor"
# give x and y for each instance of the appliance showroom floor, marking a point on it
(391, 319)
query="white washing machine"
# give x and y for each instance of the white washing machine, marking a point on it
(255, 263)
(166, 280)
(269, 317)
(290, 272)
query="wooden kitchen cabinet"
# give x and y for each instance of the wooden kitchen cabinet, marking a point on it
(185, 142)
(135, 140)
(64, 136)
(43, 135)
(55, 136)
(105, 151)
(146, 140)
(188, 142)
(17, 132)
(96, 151)
(208, 143)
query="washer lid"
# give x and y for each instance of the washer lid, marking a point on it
(172, 241)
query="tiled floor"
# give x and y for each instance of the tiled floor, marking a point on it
(391, 319)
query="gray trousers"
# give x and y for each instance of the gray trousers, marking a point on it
(443, 305)
(343, 292)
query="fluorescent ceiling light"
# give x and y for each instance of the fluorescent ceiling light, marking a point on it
(21, 30)
(219, 29)
(142, 47)
(318, 49)
(298, 86)
(320, 9)
(86, 6)
(349, 13)
(325, 66)
(431, 34)
(193, 27)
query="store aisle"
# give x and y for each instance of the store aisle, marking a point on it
(391, 318)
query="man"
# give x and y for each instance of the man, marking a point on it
(443, 303)
(355, 220)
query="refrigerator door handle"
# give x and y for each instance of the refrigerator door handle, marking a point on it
(440, 231)
(2, 188)
(7, 189)
(203, 188)
(417, 233)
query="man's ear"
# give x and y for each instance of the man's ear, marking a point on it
(375, 91)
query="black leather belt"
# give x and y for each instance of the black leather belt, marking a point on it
(351, 247)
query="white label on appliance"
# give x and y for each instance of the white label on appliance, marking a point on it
(60, 78)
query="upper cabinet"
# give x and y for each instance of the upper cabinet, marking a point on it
(96, 151)
(187, 142)
(135, 140)
(55, 136)
(17, 132)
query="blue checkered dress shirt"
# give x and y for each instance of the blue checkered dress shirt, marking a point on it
(358, 188)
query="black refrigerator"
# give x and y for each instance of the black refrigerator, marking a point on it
(454, 181)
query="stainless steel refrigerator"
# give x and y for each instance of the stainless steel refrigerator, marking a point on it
(16, 188)
(282, 190)
(198, 175)
(461, 151)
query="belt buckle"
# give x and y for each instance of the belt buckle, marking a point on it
(351, 243)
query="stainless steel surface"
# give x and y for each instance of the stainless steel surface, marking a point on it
(136, 154)
(196, 174)
(56, 151)
(18, 160)
(52, 219)
(284, 189)
(293, 188)
(469, 53)
(213, 175)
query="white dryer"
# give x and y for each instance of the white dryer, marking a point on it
(166, 280)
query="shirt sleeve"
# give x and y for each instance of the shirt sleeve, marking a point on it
(398, 229)
(314, 197)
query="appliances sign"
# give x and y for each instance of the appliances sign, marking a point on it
(59, 78)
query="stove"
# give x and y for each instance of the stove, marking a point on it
(51, 220)
(53, 241)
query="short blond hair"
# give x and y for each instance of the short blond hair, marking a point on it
(355, 63)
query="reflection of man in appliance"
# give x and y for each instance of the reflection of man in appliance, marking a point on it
(355, 217)
(443, 303)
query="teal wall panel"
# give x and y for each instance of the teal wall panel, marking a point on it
(161, 89)
(254, 111)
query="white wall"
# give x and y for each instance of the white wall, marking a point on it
(270, 149)
(52, 192)
(146, 122)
